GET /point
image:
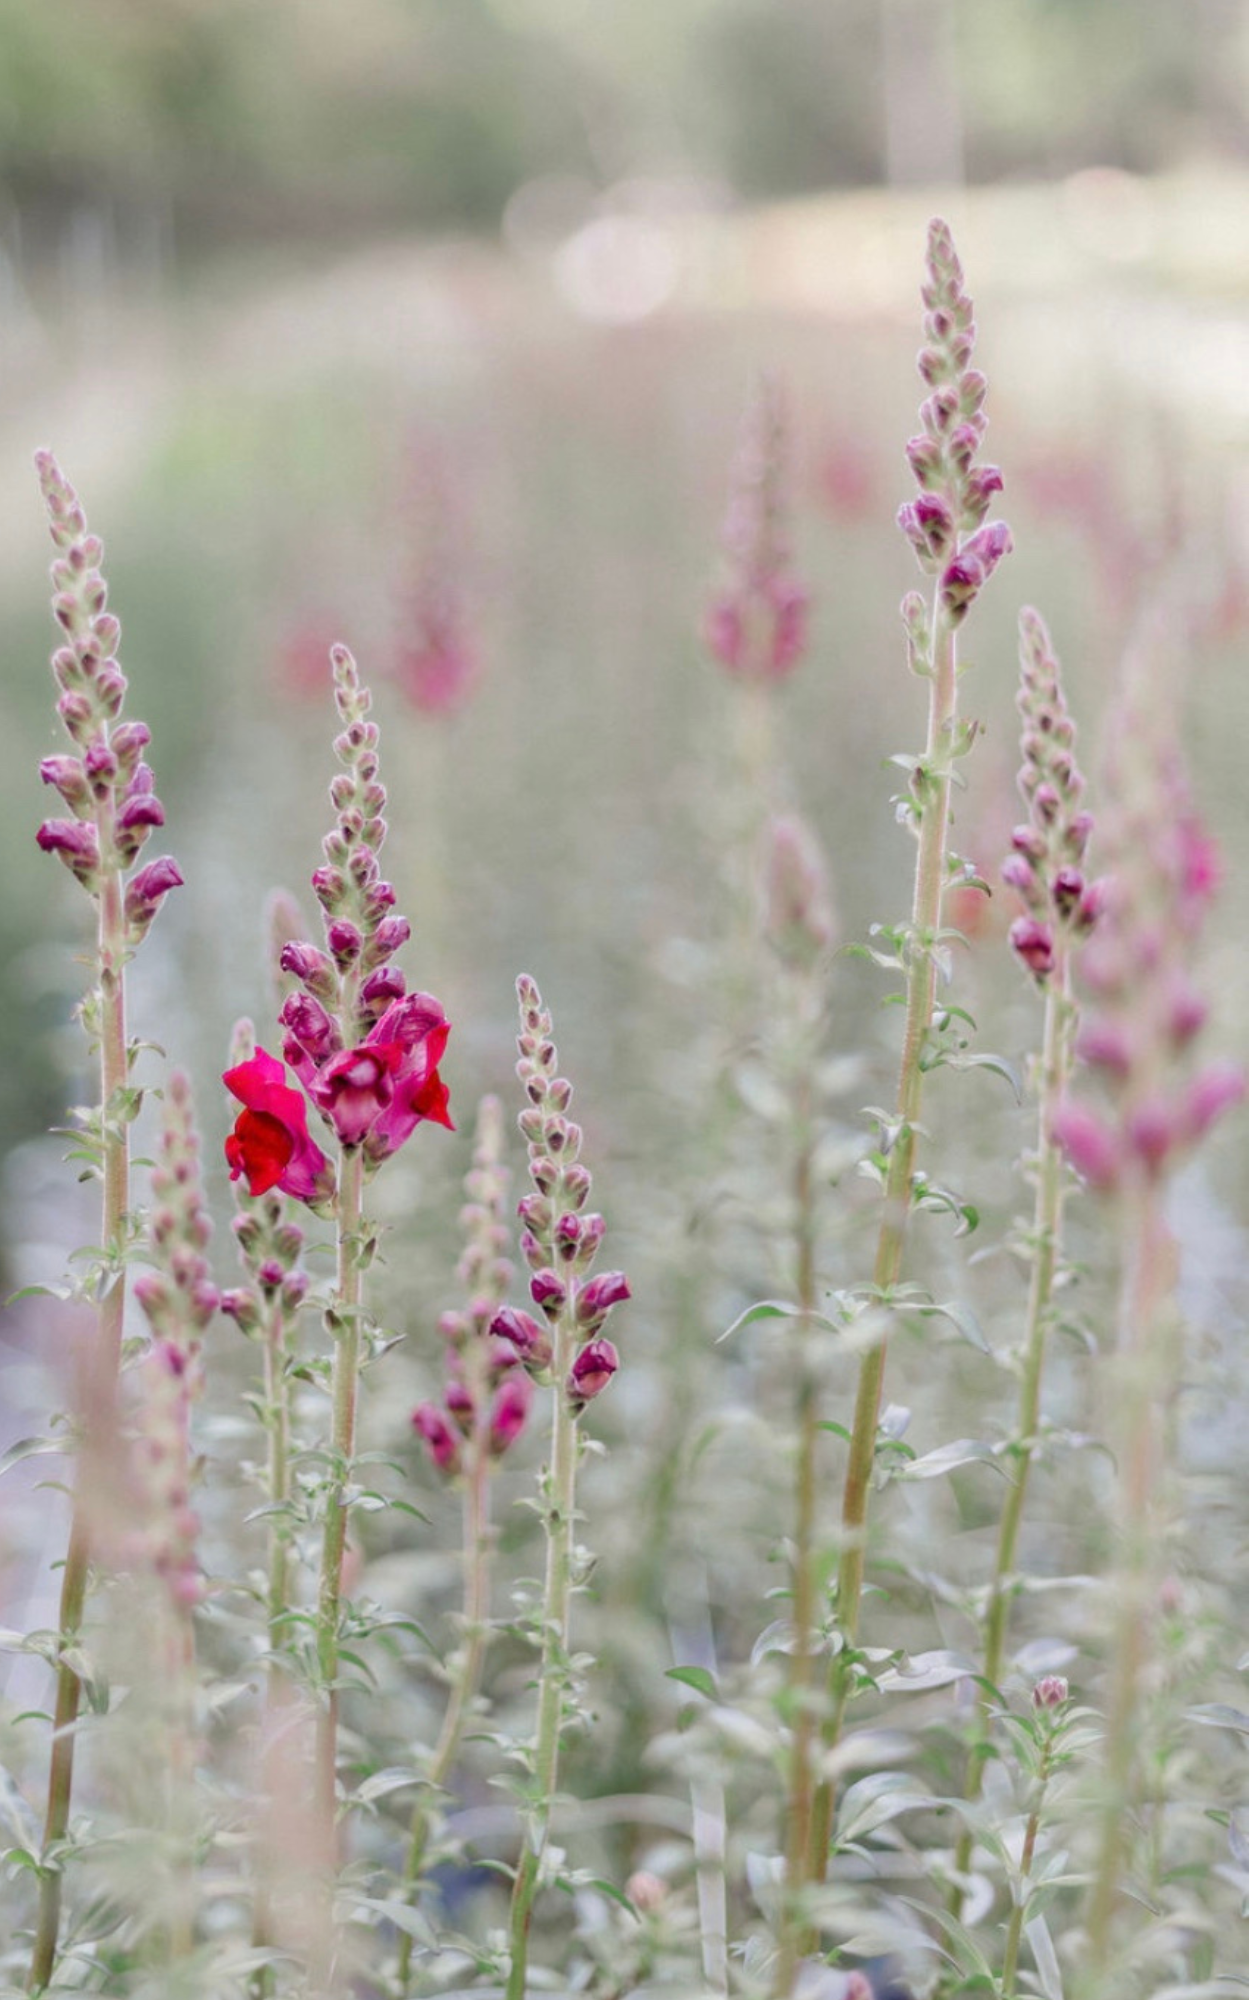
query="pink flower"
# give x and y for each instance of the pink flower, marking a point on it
(376, 1094)
(270, 1143)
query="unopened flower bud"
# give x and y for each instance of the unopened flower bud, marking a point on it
(548, 1291)
(1050, 1692)
(592, 1370)
(597, 1298)
(509, 1411)
(531, 1341)
(440, 1440)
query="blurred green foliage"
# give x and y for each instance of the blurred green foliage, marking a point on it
(307, 117)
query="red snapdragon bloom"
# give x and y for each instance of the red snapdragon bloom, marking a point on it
(270, 1144)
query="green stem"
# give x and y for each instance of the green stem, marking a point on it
(278, 1423)
(933, 805)
(1011, 1948)
(346, 1319)
(553, 1671)
(106, 1365)
(477, 1539)
(796, 1937)
(1047, 1237)
(1148, 1281)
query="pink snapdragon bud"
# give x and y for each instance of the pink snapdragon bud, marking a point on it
(314, 969)
(145, 892)
(549, 1292)
(591, 1372)
(1034, 943)
(242, 1306)
(69, 776)
(1089, 1143)
(1213, 1092)
(77, 843)
(509, 1412)
(438, 1437)
(597, 1298)
(756, 626)
(1050, 1692)
(460, 1406)
(968, 572)
(531, 1341)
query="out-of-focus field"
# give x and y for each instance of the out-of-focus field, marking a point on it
(270, 454)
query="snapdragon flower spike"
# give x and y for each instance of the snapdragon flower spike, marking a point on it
(107, 787)
(1045, 865)
(179, 1299)
(1143, 1011)
(946, 523)
(487, 1395)
(365, 1049)
(756, 625)
(559, 1241)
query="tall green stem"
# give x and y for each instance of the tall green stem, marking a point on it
(277, 1604)
(1046, 1241)
(1138, 1400)
(346, 1372)
(1015, 1923)
(477, 1539)
(106, 1363)
(932, 796)
(552, 1672)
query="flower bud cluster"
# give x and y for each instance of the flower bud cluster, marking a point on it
(946, 524)
(559, 1238)
(107, 787)
(365, 1049)
(179, 1300)
(1144, 1011)
(756, 626)
(1047, 852)
(487, 1395)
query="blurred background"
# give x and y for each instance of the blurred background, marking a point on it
(429, 328)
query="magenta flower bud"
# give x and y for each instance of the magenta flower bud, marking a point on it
(924, 456)
(577, 1184)
(242, 1307)
(592, 1371)
(531, 1341)
(1029, 841)
(129, 741)
(1034, 944)
(460, 1406)
(1152, 1133)
(502, 1355)
(390, 935)
(440, 1440)
(328, 887)
(1046, 803)
(1077, 833)
(310, 966)
(1050, 1692)
(534, 1211)
(548, 1292)
(100, 765)
(597, 1298)
(145, 893)
(381, 987)
(77, 843)
(567, 1235)
(311, 1026)
(294, 1290)
(980, 486)
(930, 528)
(509, 1411)
(593, 1230)
(1067, 889)
(1104, 1045)
(1088, 1144)
(1213, 1092)
(69, 777)
(344, 940)
(1018, 874)
(972, 567)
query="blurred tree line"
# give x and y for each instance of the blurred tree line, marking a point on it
(267, 118)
